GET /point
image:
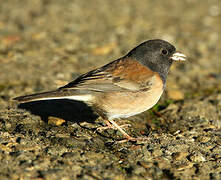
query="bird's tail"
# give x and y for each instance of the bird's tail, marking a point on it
(57, 94)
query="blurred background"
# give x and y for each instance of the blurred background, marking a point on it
(45, 44)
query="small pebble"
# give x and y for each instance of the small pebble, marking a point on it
(55, 121)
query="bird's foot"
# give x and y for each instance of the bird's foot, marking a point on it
(110, 126)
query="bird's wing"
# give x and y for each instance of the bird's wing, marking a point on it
(121, 75)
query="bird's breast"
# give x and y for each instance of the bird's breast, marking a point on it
(126, 104)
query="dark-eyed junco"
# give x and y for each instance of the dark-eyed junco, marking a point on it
(124, 87)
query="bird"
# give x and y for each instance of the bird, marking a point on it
(122, 88)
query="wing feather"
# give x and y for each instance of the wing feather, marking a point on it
(119, 75)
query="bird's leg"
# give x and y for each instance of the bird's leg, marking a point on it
(128, 138)
(111, 126)
(120, 129)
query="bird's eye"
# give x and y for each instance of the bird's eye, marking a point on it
(164, 52)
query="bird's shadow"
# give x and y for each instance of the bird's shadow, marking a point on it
(74, 111)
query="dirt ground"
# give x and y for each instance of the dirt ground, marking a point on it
(45, 44)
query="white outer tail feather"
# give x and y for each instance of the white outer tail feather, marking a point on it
(77, 98)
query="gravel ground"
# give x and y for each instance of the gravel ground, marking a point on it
(44, 44)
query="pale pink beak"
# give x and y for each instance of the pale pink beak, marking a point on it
(177, 56)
